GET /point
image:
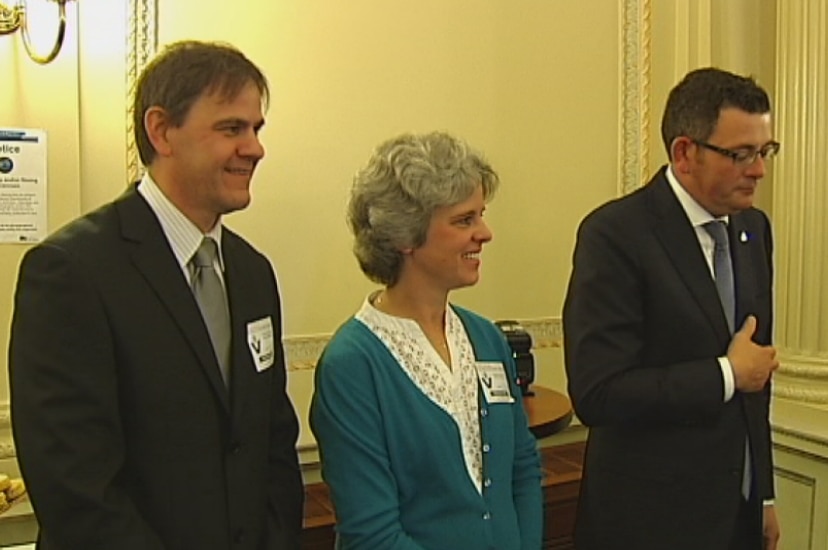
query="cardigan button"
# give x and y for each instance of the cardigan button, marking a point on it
(486, 448)
(487, 516)
(487, 482)
(484, 412)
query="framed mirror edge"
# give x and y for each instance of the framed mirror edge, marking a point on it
(142, 43)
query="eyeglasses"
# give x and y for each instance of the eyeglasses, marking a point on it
(745, 156)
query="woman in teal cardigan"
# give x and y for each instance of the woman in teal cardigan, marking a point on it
(421, 430)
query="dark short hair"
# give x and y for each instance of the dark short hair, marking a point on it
(181, 74)
(694, 105)
(394, 196)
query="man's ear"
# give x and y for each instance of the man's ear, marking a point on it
(681, 154)
(157, 124)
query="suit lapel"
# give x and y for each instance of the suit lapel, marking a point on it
(673, 230)
(153, 258)
(243, 299)
(744, 278)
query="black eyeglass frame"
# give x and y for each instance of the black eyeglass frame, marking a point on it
(743, 157)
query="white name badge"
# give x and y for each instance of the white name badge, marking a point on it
(260, 342)
(493, 380)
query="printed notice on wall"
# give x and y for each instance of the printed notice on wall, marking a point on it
(22, 185)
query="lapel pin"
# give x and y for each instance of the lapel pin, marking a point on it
(743, 237)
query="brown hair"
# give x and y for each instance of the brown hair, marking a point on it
(694, 105)
(181, 74)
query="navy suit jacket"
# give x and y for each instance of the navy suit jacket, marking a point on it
(125, 433)
(643, 328)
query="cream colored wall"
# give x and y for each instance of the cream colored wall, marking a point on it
(534, 85)
(346, 76)
(9, 254)
(102, 105)
(32, 99)
(526, 84)
(29, 99)
(80, 100)
(344, 79)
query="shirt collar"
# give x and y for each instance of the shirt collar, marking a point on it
(182, 234)
(696, 213)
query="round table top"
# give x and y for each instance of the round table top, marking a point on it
(548, 411)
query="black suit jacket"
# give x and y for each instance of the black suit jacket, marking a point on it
(643, 328)
(126, 436)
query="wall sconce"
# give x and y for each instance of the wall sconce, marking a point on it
(14, 18)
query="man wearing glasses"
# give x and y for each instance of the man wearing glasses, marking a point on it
(667, 324)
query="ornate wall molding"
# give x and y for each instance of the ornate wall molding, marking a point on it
(6, 443)
(803, 367)
(803, 393)
(802, 378)
(142, 41)
(634, 99)
(302, 352)
(7, 448)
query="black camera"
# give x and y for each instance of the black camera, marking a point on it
(521, 344)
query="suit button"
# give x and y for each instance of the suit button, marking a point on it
(235, 447)
(238, 536)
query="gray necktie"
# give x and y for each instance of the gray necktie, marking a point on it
(723, 269)
(723, 273)
(209, 294)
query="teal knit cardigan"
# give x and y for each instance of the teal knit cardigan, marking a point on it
(394, 462)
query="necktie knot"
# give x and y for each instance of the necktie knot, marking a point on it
(206, 253)
(718, 231)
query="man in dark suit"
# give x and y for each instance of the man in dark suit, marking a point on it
(148, 388)
(668, 333)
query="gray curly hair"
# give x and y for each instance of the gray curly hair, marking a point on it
(394, 196)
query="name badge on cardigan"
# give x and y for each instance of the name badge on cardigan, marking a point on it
(493, 380)
(260, 342)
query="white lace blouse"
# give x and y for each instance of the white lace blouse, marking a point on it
(452, 389)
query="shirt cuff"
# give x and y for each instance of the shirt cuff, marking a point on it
(727, 377)
(769, 502)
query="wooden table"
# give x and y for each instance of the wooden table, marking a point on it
(548, 411)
